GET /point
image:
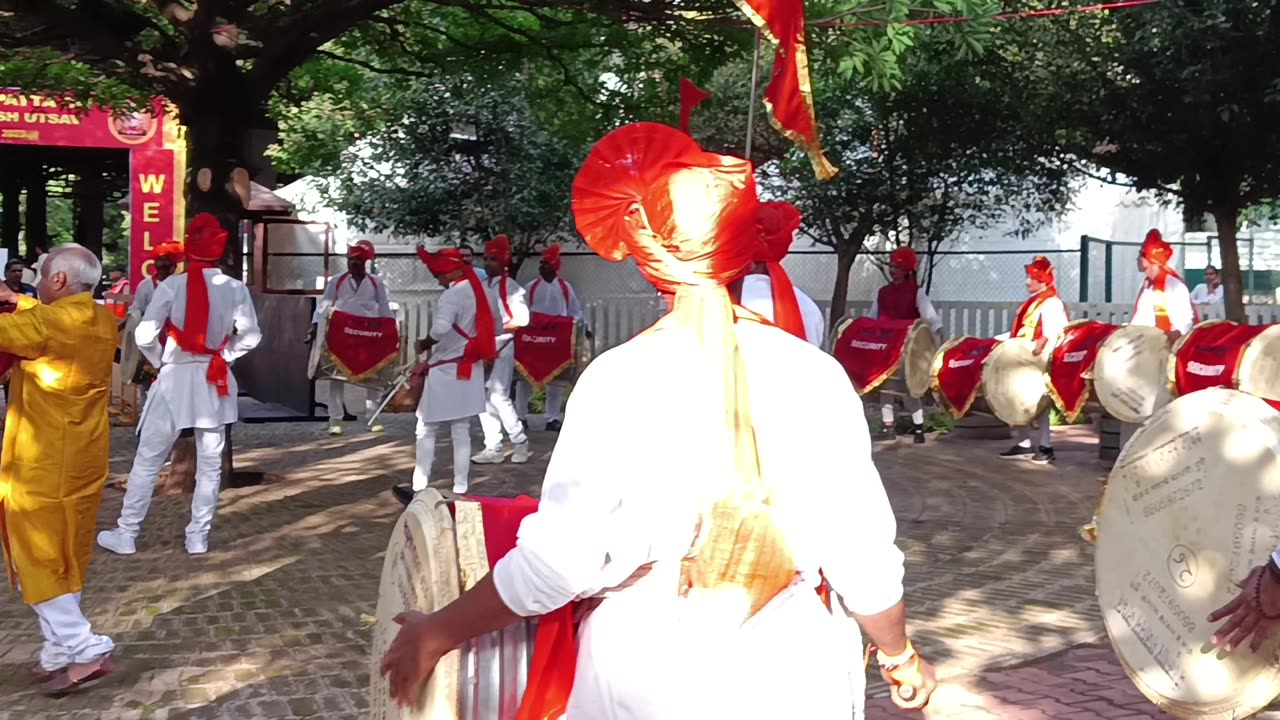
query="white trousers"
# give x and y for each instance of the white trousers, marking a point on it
(68, 637)
(425, 452)
(555, 399)
(155, 441)
(1041, 433)
(887, 413)
(337, 403)
(499, 412)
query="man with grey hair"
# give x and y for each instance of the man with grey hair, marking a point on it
(54, 461)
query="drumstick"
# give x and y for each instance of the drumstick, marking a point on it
(405, 376)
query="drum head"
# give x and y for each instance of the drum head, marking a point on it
(130, 355)
(1131, 373)
(916, 365)
(317, 347)
(1192, 505)
(420, 572)
(584, 350)
(1013, 381)
(1259, 372)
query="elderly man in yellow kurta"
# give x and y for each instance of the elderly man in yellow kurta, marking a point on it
(54, 460)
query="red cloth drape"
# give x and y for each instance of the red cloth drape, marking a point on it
(691, 96)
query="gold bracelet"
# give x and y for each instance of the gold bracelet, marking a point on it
(888, 663)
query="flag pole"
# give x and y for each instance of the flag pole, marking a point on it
(755, 82)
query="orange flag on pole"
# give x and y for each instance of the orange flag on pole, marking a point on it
(789, 97)
(691, 96)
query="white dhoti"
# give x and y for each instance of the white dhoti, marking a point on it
(500, 412)
(555, 392)
(447, 399)
(337, 400)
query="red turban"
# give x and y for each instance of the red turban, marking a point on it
(499, 249)
(1155, 249)
(206, 241)
(170, 249)
(442, 262)
(905, 259)
(551, 256)
(1041, 270)
(483, 345)
(362, 250)
(776, 224)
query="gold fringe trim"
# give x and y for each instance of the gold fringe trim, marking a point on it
(352, 377)
(573, 358)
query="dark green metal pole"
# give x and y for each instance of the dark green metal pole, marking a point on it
(1106, 285)
(1084, 268)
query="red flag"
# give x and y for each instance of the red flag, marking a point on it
(691, 96)
(789, 97)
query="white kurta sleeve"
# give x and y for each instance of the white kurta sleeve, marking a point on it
(247, 334)
(446, 316)
(327, 300)
(1178, 300)
(147, 334)
(575, 306)
(519, 306)
(1053, 320)
(384, 300)
(925, 307)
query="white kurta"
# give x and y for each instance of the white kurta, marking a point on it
(646, 653)
(757, 296)
(548, 298)
(183, 384)
(142, 297)
(1202, 295)
(1177, 302)
(367, 298)
(445, 397)
(924, 306)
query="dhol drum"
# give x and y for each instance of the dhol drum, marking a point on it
(355, 349)
(1013, 381)
(1217, 353)
(552, 347)
(1070, 377)
(431, 559)
(1130, 374)
(134, 367)
(1190, 508)
(956, 373)
(885, 354)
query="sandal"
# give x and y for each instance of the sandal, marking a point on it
(78, 676)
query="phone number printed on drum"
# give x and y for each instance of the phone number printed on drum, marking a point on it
(1176, 489)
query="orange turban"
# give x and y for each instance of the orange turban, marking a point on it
(1155, 249)
(363, 250)
(1041, 270)
(170, 249)
(551, 256)
(776, 224)
(442, 262)
(499, 248)
(905, 259)
(206, 239)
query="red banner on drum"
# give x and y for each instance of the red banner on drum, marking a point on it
(361, 346)
(544, 347)
(959, 374)
(1211, 355)
(1069, 380)
(870, 350)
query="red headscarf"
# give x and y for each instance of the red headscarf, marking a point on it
(483, 344)
(1041, 270)
(905, 259)
(206, 242)
(551, 256)
(363, 250)
(776, 224)
(170, 249)
(1156, 250)
(500, 249)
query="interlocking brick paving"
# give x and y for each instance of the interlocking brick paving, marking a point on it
(268, 624)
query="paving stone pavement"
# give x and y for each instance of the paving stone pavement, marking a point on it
(267, 625)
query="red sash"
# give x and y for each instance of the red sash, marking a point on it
(545, 347)
(1069, 371)
(502, 295)
(219, 374)
(361, 346)
(1211, 357)
(958, 378)
(1159, 304)
(870, 350)
(564, 290)
(1027, 323)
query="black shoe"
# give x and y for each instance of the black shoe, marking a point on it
(918, 433)
(403, 493)
(1017, 452)
(1044, 456)
(553, 426)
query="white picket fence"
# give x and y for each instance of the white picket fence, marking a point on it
(617, 320)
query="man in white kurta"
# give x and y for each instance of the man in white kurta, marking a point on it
(1041, 320)
(776, 223)
(549, 294)
(195, 388)
(509, 306)
(168, 255)
(357, 292)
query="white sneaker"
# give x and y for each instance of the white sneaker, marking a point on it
(459, 488)
(197, 545)
(117, 542)
(335, 430)
(377, 429)
(488, 457)
(521, 453)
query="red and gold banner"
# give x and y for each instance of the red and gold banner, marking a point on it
(1210, 357)
(545, 347)
(1070, 382)
(361, 346)
(957, 376)
(870, 350)
(156, 205)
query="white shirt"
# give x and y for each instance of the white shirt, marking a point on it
(1202, 295)
(923, 306)
(757, 296)
(182, 383)
(1053, 320)
(142, 296)
(444, 396)
(646, 652)
(519, 315)
(549, 299)
(1177, 302)
(367, 298)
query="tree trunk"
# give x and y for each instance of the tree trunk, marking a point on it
(1227, 220)
(10, 223)
(846, 254)
(37, 225)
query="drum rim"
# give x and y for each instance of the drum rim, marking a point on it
(1014, 342)
(1123, 416)
(1247, 356)
(1171, 365)
(919, 330)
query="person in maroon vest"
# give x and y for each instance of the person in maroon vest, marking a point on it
(904, 299)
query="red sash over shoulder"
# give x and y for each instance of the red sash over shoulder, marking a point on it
(1210, 357)
(870, 350)
(1069, 373)
(958, 375)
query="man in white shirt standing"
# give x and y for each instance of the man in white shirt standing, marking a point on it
(168, 255)
(508, 301)
(1210, 291)
(1041, 319)
(211, 323)
(904, 299)
(549, 294)
(1163, 301)
(767, 290)
(358, 292)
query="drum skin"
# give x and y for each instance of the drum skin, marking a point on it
(1130, 374)
(1013, 381)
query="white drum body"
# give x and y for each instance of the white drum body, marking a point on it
(1259, 372)
(1130, 374)
(1013, 381)
(1192, 504)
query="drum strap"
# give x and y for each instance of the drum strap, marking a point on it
(564, 290)
(344, 277)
